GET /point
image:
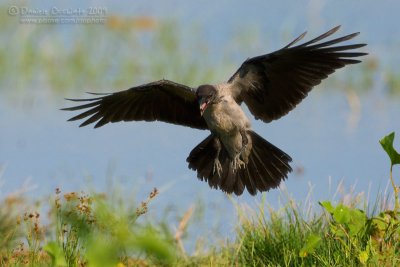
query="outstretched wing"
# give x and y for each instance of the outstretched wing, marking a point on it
(273, 84)
(157, 101)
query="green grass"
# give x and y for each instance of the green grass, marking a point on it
(89, 230)
(85, 230)
(92, 230)
(288, 239)
(101, 230)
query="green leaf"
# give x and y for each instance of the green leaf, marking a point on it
(56, 254)
(102, 251)
(327, 205)
(150, 243)
(363, 257)
(312, 243)
(358, 221)
(387, 145)
(341, 214)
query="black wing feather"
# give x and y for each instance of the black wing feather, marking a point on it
(157, 101)
(273, 84)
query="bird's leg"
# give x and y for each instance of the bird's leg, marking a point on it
(237, 162)
(245, 140)
(217, 168)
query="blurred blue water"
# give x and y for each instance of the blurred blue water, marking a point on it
(39, 146)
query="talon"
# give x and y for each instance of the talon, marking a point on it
(217, 167)
(237, 163)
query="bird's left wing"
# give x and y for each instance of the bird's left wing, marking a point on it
(273, 84)
(157, 101)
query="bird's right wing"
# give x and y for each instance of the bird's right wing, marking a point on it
(157, 101)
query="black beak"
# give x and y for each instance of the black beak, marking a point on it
(203, 103)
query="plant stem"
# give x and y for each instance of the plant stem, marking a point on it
(396, 192)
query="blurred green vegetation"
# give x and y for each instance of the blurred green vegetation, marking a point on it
(83, 230)
(96, 230)
(126, 51)
(101, 230)
(117, 55)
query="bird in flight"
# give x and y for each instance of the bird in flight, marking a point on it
(233, 157)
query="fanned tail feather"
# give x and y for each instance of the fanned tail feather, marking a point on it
(266, 168)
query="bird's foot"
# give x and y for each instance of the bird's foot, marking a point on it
(237, 163)
(242, 150)
(217, 167)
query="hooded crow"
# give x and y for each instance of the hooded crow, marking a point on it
(232, 157)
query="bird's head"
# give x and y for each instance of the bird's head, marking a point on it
(205, 94)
